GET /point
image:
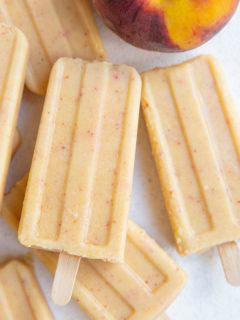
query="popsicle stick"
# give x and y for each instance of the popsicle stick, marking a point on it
(64, 280)
(230, 257)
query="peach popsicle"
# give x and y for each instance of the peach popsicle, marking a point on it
(20, 295)
(13, 62)
(140, 288)
(194, 130)
(79, 188)
(55, 29)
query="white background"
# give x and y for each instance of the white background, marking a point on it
(207, 296)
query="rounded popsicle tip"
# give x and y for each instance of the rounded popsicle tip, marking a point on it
(64, 280)
(61, 298)
(230, 257)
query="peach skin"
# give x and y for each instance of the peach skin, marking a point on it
(166, 25)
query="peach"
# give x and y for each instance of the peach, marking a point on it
(166, 25)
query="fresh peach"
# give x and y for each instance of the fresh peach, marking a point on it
(166, 25)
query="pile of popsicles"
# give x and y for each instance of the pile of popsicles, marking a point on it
(78, 190)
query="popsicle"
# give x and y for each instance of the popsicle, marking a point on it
(79, 188)
(13, 61)
(55, 29)
(139, 289)
(194, 130)
(20, 295)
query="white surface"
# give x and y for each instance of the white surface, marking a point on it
(207, 296)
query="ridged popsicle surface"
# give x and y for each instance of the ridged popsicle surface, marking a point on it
(80, 182)
(194, 130)
(54, 29)
(20, 294)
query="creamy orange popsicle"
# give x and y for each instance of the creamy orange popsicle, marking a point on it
(54, 29)
(13, 61)
(194, 129)
(79, 188)
(20, 295)
(138, 289)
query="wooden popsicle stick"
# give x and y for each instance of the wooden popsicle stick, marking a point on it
(64, 280)
(230, 256)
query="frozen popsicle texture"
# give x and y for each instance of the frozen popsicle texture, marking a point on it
(20, 295)
(54, 29)
(195, 134)
(80, 182)
(13, 61)
(139, 289)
